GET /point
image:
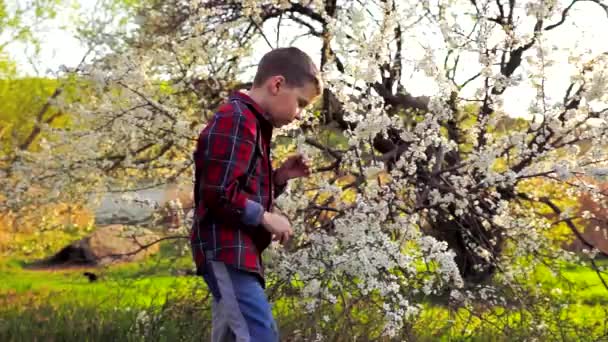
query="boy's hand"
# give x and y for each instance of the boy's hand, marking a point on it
(278, 226)
(294, 167)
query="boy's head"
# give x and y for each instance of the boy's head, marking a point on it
(286, 82)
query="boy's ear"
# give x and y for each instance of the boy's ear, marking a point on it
(275, 83)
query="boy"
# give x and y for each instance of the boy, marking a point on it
(234, 190)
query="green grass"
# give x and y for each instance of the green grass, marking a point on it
(72, 286)
(140, 284)
(577, 283)
(130, 302)
(64, 305)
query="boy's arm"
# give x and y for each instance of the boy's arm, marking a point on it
(295, 166)
(228, 151)
(279, 188)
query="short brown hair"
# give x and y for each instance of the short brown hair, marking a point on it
(292, 63)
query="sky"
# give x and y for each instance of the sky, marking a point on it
(585, 29)
(58, 47)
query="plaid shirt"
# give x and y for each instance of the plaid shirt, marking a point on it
(234, 185)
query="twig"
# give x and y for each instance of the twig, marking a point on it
(143, 247)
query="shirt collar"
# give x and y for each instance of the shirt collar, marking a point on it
(241, 96)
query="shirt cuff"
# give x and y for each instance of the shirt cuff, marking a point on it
(253, 213)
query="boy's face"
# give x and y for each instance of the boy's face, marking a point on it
(286, 103)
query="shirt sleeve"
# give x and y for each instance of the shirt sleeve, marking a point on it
(229, 146)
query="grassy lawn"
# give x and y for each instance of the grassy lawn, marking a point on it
(579, 283)
(72, 285)
(150, 300)
(141, 284)
(158, 276)
(130, 302)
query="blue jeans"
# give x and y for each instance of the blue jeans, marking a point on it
(240, 310)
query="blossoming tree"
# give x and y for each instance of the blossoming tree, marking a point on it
(411, 195)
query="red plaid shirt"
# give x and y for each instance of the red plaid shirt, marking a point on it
(234, 185)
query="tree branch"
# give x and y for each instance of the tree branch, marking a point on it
(37, 128)
(143, 247)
